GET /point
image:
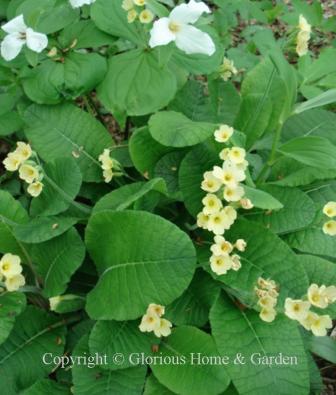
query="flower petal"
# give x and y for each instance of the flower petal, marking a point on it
(189, 13)
(192, 40)
(16, 25)
(37, 42)
(80, 3)
(11, 46)
(160, 33)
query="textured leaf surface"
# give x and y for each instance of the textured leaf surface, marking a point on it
(11, 305)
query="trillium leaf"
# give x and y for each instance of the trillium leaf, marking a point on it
(137, 84)
(242, 332)
(71, 133)
(150, 270)
(34, 334)
(62, 181)
(97, 381)
(174, 129)
(57, 259)
(190, 377)
(11, 305)
(111, 337)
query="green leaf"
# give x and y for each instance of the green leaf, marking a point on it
(71, 132)
(154, 387)
(125, 196)
(298, 210)
(243, 332)
(35, 333)
(324, 347)
(321, 100)
(262, 199)
(10, 123)
(312, 151)
(98, 381)
(46, 386)
(57, 260)
(173, 129)
(111, 337)
(11, 305)
(162, 269)
(137, 84)
(62, 181)
(187, 343)
(42, 229)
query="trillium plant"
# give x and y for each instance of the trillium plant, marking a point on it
(167, 197)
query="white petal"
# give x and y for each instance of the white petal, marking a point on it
(16, 25)
(37, 42)
(189, 13)
(160, 33)
(80, 3)
(192, 40)
(11, 46)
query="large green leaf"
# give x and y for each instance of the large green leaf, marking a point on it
(321, 100)
(312, 151)
(188, 343)
(262, 199)
(57, 259)
(11, 305)
(35, 333)
(98, 381)
(173, 129)
(242, 332)
(113, 337)
(46, 386)
(149, 270)
(154, 387)
(137, 84)
(62, 181)
(71, 132)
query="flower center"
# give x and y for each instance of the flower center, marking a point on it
(5, 267)
(174, 27)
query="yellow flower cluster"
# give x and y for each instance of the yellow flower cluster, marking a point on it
(108, 164)
(329, 228)
(223, 183)
(152, 321)
(11, 269)
(227, 69)
(267, 292)
(134, 11)
(303, 37)
(299, 310)
(28, 169)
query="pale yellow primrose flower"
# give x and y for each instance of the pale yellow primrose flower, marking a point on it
(227, 69)
(329, 228)
(296, 309)
(127, 5)
(156, 309)
(330, 209)
(237, 155)
(236, 264)
(202, 220)
(106, 160)
(54, 302)
(23, 150)
(164, 328)
(317, 297)
(34, 189)
(131, 16)
(223, 134)
(220, 264)
(303, 36)
(319, 324)
(210, 183)
(267, 314)
(219, 222)
(228, 174)
(108, 175)
(28, 173)
(146, 16)
(212, 204)
(149, 322)
(15, 282)
(267, 302)
(221, 246)
(224, 154)
(10, 265)
(240, 245)
(139, 3)
(246, 204)
(12, 162)
(330, 294)
(233, 194)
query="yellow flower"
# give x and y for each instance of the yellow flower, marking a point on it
(296, 309)
(131, 16)
(237, 155)
(246, 204)
(108, 175)
(330, 294)
(233, 194)
(240, 245)
(164, 328)
(12, 162)
(304, 26)
(211, 204)
(221, 246)
(227, 69)
(303, 37)
(224, 154)
(23, 150)
(127, 5)
(156, 309)
(267, 314)
(317, 297)
(329, 228)
(330, 209)
(146, 16)
(28, 173)
(15, 282)
(319, 324)
(231, 214)
(202, 220)
(34, 189)
(228, 174)
(149, 322)
(219, 222)
(210, 183)
(267, 302)
(139, 2)
(220, 264)
(10, 265)
(223, 134)
(236, 264)
(106, 160)
(54, 302)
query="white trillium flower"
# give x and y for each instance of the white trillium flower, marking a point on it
(18, 35)
(177, 27)
(80, 3)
